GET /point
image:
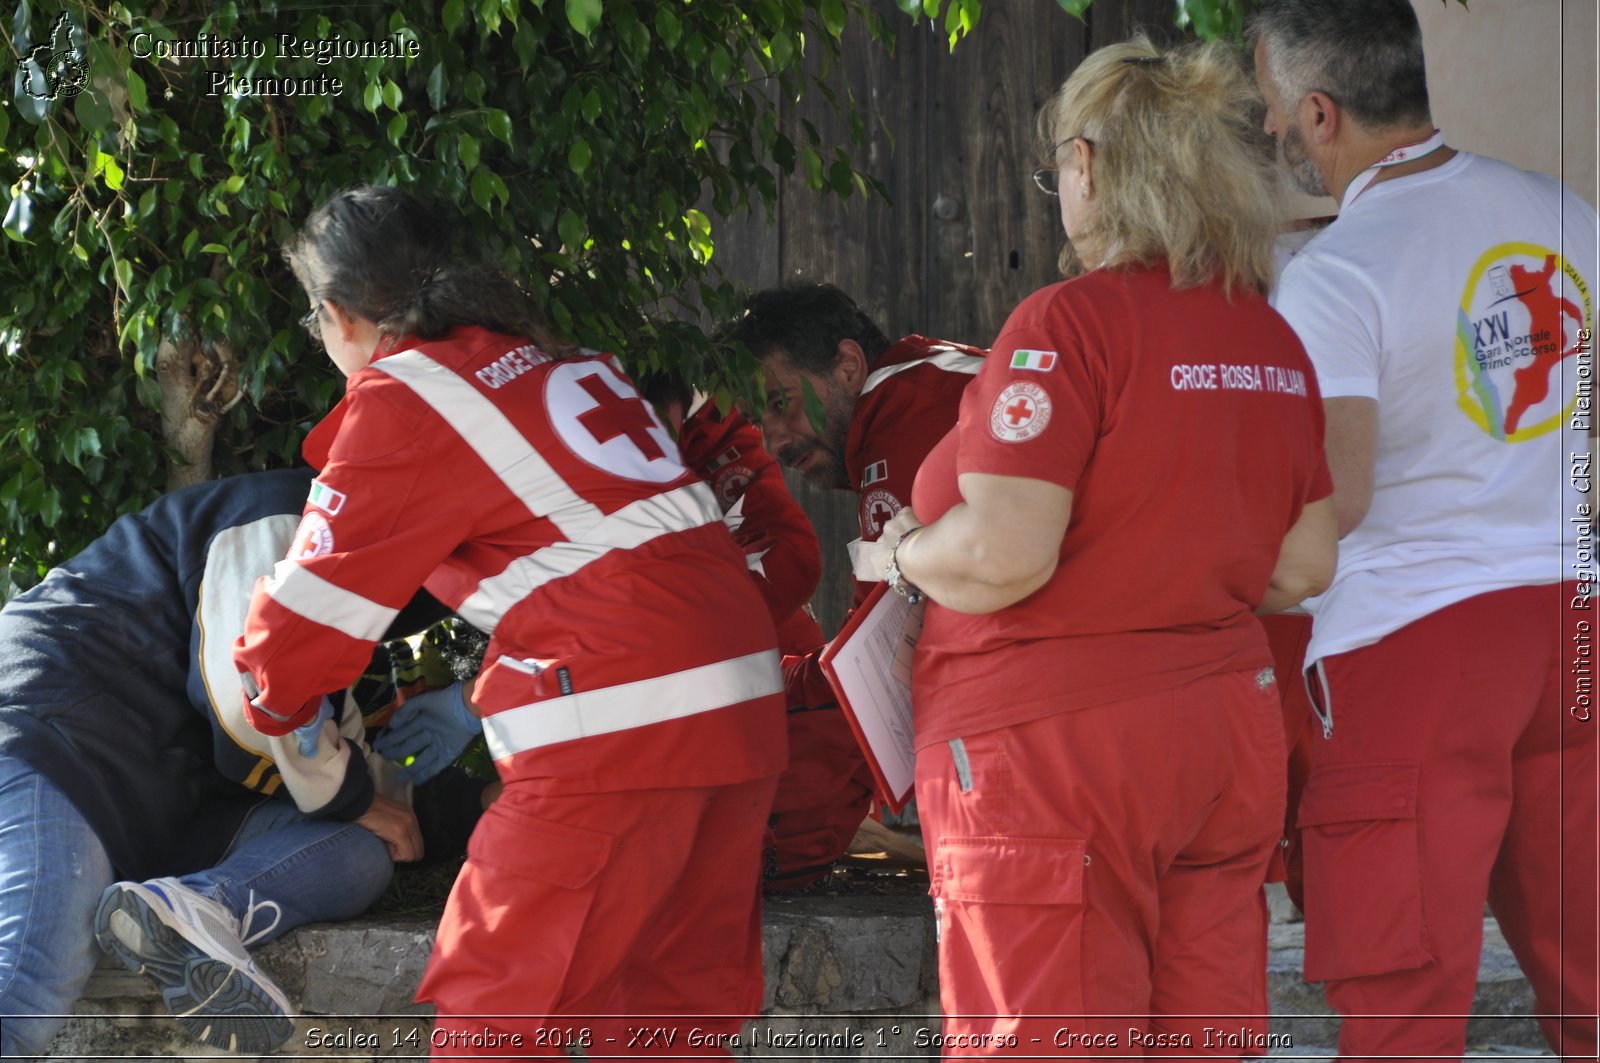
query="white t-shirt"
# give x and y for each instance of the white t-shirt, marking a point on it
(1454, 297)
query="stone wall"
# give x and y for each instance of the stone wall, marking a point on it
(845, 977)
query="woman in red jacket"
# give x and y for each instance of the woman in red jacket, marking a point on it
(631, 694)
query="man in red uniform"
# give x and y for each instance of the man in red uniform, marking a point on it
(885, 405)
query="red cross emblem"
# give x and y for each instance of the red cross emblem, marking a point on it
(617, 416)
(1019, 412)
(880, 507)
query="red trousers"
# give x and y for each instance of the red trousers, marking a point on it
(1097, 874)
(1456, 773)
(599, 918)
(823, 795)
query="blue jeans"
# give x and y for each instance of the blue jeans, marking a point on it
(53, 870)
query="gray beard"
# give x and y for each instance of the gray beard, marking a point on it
(1303, 173)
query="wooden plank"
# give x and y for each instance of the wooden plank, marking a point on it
(871, 248)
(996, 238)
(1111, 21)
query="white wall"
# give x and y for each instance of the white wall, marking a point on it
(1514, 79)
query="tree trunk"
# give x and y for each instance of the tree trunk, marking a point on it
(197, 388)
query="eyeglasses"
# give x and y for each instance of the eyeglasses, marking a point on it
(1049, 178)
(308, 321)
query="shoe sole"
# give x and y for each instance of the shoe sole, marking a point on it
(212, 1000)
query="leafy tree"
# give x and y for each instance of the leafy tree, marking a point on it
(151, 340)
(155, 157)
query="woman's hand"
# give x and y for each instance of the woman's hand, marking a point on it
(878, 553)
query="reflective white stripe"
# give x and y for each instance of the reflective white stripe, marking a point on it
(633, 525)
(630, 705)
(309, 595)
(506, 451)
(949, 359)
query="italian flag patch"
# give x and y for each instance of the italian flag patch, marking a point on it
(1037, 361)
(326, 498)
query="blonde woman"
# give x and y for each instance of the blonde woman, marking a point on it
(1138, 472)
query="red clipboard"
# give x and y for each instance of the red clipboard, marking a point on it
(874, 692)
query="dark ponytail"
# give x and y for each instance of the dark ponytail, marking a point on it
(382, 253)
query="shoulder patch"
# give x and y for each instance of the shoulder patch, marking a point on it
(878, 470)
(313, 538)
(1035, 361)
(730, 482)
(727, 456)
(1020, 412)
(878, 508)
(326, 498)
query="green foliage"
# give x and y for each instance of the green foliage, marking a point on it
(1211, 19)
(586, 143)
(145, 192)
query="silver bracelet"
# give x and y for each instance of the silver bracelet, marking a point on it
(895, 578)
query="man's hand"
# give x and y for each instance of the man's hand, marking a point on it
(428, 732)
(397, 826)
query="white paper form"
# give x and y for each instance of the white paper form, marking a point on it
(869, 666)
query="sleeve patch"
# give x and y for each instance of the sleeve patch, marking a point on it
(1035, 361)
(313, 538)
(326, 498)
(730, 483)
(726, 457)
(877, 509)
(1020, 412)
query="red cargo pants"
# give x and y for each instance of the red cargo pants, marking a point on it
(601, 919)
(1456, 773)
(1097, 874)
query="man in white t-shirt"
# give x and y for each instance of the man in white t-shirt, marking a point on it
(1448, 312)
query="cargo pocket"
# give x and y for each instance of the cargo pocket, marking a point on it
(516, 916)
(1362, 868)
(1010, 914)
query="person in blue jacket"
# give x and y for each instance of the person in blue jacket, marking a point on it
(123, 755)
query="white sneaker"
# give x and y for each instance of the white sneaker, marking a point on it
(194, 950)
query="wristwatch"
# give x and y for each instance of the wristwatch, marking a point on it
(895, 578)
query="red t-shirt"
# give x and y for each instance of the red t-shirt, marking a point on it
(1189, 429)
(907, 404)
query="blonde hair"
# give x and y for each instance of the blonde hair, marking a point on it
(1182, 170)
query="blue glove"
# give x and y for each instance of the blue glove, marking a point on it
(310, 732)
(428, 732)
